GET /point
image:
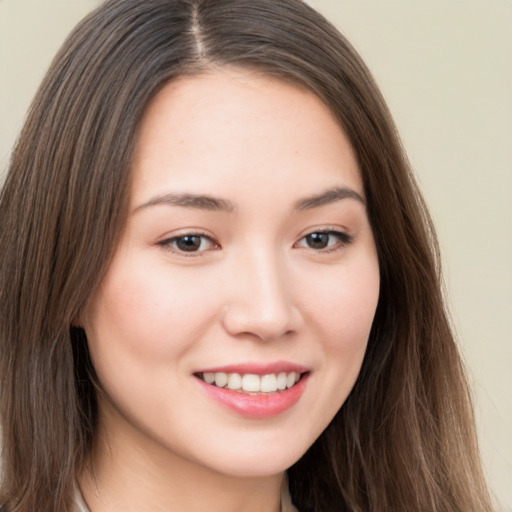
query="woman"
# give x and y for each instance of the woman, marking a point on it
(217, 267)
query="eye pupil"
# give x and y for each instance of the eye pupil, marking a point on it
(318, 240)
(188, 243)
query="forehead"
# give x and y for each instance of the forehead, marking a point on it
(234, 127)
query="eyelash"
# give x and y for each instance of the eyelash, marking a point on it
(343, 239)
(168, 244)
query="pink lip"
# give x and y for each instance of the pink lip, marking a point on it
(257, 368)
(256, 406)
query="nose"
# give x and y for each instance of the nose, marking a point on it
(263, 301)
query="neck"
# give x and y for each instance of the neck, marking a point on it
(131, 473)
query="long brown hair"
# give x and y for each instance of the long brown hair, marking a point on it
(404, 440)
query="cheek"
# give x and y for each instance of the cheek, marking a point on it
(147, 314)
(343, 311)
(346, 305)
(139, 328)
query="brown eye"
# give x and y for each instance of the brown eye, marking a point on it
(325, 240)
(189, 243)
(317, 240)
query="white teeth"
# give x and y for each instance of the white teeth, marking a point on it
(251, 383)
(269, 383)
(221, 379)
(234, 381)
(281, 381)
(290, 379)
(209, 378)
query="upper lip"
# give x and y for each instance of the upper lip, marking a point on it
(257, 368)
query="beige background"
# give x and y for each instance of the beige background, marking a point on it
(445, 68)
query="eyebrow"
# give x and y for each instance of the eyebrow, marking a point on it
(329, 196)
(198, 201)
(209, 203)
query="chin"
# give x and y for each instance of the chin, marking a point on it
(258, 461)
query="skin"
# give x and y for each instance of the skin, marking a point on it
(254, 291)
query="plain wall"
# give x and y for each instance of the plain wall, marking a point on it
(445, 68)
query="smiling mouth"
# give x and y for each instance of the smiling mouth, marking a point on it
(252, 384)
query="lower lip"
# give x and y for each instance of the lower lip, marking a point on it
(256, 406)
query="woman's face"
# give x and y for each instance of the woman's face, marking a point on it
(248, 258)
